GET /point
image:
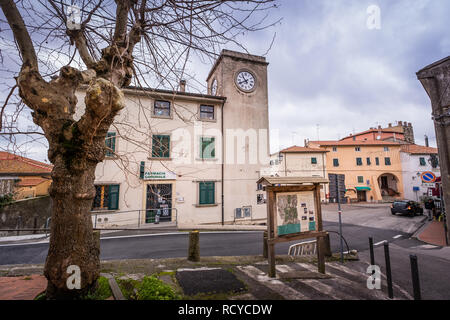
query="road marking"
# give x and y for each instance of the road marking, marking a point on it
(378, 243)
(398, 236)
(278, 286)
(135, 236)
(317, 284)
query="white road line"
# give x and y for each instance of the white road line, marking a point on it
(317, 284)
(378, 243)
(398, 236)
(278, 286)
(134, 236)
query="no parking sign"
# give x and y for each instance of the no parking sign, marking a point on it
(428, 177)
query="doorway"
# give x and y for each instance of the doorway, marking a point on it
(159, 201)
(362, 196)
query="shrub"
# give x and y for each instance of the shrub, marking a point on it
(102, 291)
(151, 288)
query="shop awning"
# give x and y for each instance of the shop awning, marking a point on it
(363, 188)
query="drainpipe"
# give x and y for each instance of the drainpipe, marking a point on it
(223, 164)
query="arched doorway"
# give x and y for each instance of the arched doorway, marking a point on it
(388, 184)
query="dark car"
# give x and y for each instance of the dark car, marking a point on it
(407, 207)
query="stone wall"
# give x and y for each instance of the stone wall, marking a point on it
(27, 210)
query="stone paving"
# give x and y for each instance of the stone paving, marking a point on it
(433, 233)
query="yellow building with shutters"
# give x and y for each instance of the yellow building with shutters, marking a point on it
(372, 168)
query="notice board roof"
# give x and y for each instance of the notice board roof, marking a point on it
(291, 180)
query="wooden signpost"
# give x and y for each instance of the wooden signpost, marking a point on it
(294, 213)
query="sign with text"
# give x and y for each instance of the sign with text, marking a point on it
(159, 175)
(295, 212)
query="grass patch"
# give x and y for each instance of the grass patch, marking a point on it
(151, 288)
(102, 291)
(127, 287)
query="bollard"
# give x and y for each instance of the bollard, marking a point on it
(415, 277)
(194, 246)
(265, 247)
(327, 246)
(388, 270)
(34, 224)
(372, 255)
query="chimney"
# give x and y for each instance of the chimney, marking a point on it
(427, 143)
(400, 123)
(390, 125)
(182, 85)
(409, 124)
(379, 127)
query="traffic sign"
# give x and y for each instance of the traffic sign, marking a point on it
(428, 177)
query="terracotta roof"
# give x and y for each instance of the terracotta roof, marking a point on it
(416, 149)
(356, 143)
(12, 163)
(29, 182)
(396, 129)
(296, 149)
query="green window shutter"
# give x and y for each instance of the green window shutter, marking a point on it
(110, 142)
(207, 148)
(161, 146)
(360, 179)
(113, 197)
(387, 161)
(377, 161)
(369, 162)
(358, 161)
(142, 170)
(336, 162)
(313, 160)
(422, 162)
(207, 193)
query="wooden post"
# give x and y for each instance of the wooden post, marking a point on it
(271, 207)
(194, 246)
(320, 254)
(327, 246)
(265, 248)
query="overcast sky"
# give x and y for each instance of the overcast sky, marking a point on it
(330, 75)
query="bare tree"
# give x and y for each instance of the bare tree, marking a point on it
(106, 45)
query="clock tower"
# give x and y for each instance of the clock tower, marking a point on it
(242, 79)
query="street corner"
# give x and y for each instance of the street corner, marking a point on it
(22, 287)
(433, 233)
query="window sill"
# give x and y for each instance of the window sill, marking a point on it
(162, 117)
(103, 211)
(207, 159)
(207, 120)
(206, 205)
(159, 159)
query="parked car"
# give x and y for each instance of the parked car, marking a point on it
(408, 207)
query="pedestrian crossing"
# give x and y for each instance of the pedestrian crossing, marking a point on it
(344, 283)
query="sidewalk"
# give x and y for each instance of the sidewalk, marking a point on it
(433, 233)
(225, 278)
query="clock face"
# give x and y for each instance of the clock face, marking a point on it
(245, 81)
(214, 87)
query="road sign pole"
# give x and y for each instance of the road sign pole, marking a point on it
(340, 219)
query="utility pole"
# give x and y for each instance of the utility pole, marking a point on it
(435, 78)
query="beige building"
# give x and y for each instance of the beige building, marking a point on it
(300, 162)
(193, 158)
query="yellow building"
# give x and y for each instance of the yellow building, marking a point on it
(372, 169)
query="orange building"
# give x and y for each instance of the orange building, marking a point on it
(23, 177)
(372, 168)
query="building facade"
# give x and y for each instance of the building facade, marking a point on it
(189, 157)
(300, 162)
(415, 161)
(22, 177)
(372, 169)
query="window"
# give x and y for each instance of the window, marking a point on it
(160, 146)
(247, 212)
(334, 149)
(336, 162)
(369, 162)
(386, 148)
(106, 197)
(422, 161)
(387, 161)
(110, 142)
(207, 112)
(313, 160)
(377, 161)
(206, 193)
(359, 161)
(357, 149)
(161, 108)
(207, 148)
(238, 213)
(360, 179)
(261, 198)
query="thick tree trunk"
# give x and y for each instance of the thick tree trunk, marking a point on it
(72, 241)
